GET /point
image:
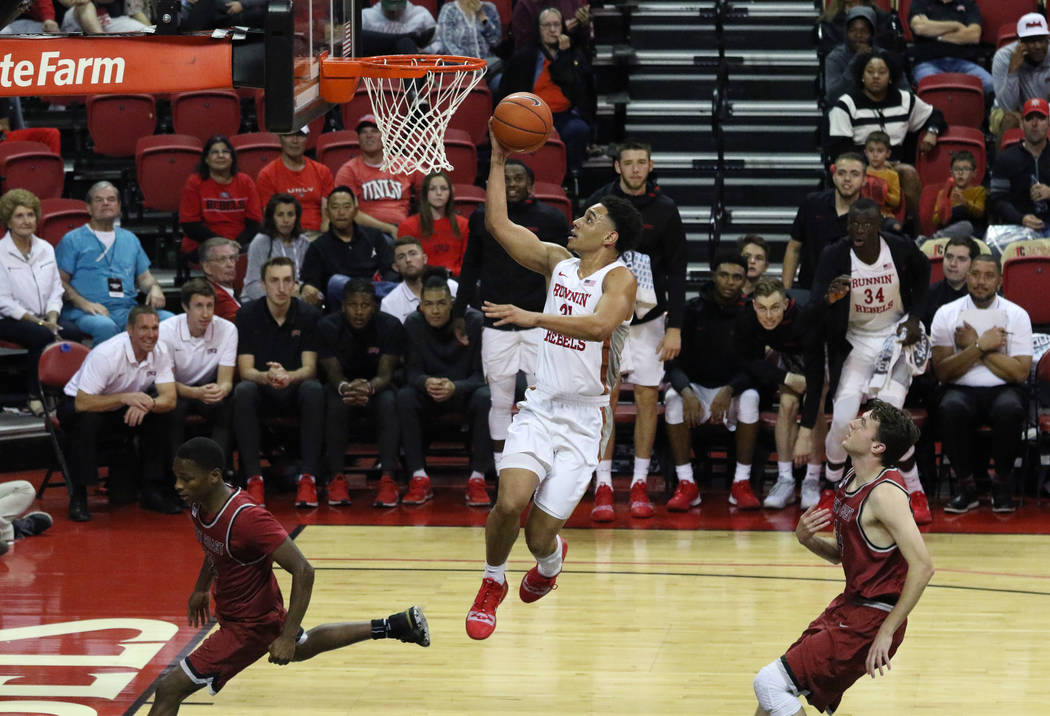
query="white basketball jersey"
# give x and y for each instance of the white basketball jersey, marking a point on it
(875, 304)
(573, 367)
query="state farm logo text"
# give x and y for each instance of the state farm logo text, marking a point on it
(53, 70)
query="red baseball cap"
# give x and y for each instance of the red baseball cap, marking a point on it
(1036, 105)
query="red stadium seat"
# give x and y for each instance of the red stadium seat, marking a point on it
(903, 7)
(996, 13)
(934, 167)
(505, 9)
(334, 149)
(31, 166)
(463, 155)
(1011, 136)
(116, 121)
(205, 113)
(162, 164)
(1007, 34)
(468, 198)
(927, 200)
(936, 269)
(255, 150)
(56, 366)
(316, 125)
(473, 115)
(360, 105)
(960, 97)
(60, 216)
(547, 162)
(1024, 282)
(554, 195)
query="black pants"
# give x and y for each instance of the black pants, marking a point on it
(413, 407)
(963, 410)
(380, 413)
(252, 402)
(217, 416)
(35, 339)
(211, 14)
(87, 430)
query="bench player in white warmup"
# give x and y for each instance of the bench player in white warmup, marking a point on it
(556, 438)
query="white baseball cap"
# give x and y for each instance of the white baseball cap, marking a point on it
(1032, 25)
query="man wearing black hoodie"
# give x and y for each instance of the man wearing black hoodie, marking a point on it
(656, 336)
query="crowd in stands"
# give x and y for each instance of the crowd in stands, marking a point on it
(341, 305)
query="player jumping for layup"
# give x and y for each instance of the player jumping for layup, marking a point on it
(556, 438)
(241, 542)
(886, 564)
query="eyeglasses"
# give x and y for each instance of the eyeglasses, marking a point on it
(551, 25)
(223, 259)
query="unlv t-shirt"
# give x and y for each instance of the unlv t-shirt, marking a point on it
(309, 186)
(223, 208)
(381, 195)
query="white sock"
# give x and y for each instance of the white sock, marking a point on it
(550, 565)
(497, 458)
(813, 471)
(641, 470)
(743, 472)
(603, 474)
(419, 473)
(684, 472)
(475, 474)
(834, 474)
(498, 573)
(786, 470)
(911, 479)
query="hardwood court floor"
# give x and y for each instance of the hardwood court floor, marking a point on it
(672, 618)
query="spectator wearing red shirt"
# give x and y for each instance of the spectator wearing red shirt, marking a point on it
(440, 230)
(218, 200)
(296, 174)
(382, 197)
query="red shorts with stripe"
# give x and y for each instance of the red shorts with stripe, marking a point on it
(232, 649)
(831, 653)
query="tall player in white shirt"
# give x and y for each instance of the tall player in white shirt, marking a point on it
(555, 440)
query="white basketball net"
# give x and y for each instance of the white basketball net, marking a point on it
(413, 114)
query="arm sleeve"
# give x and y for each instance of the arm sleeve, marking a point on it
(476, 379)
(1007, 86)
(975, 202)
(10, 306)
(939, 209)
(54, 299)
(93, 377)
(141, 260)
(196, 230)
(1000, 191)
(257, 252)
(255, 533)
(675, 367)
(838, 75)
(493, 30)
(818, 313)
(840, 129)
(919, 267)
(925, 116)
(893, 190)
(471, 268)
(228, 349)
(190, 204)
(264, 185)
(312, 272)
(416, 344)
(1020, 333)
(385, 257)
(677, 262)
(251, 228)
(941, 334)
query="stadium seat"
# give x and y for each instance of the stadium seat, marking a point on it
(927, 200)
(505, 9)
(936, 269)
(60, 216)
(935, 247)
(359, 106)
(57, 364)
(1024, 282)
(205, 113)
(468, 198)
(32, 166)
(473, 115)
(462, 153)
(934, 167)
(554, 195)
(162, 164)
(996, 13)
(1007, 34)
(316, 125)
(548, 162)
(255, 150)
(334, 149)
(960, 98)
(116, 121)
(903, 7)
(1011, 136)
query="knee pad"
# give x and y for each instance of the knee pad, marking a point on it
(673, 413)
(501, 391)
(747, 407)
(775, 692)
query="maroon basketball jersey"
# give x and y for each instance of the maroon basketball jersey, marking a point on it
(239, 542)
(872, 572)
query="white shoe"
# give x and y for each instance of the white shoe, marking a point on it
(782, 494)
(810, 492)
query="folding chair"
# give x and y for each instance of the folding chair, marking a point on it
(56, 367)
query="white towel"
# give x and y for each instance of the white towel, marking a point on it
(642, 268)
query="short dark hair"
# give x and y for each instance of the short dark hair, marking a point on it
(406, 240)
(202, 164)
(864, 205)
(203, 452)
(436, 283)
(853, 157)
(878, 137)
(358, 285)
(896, 430)
(755, 239)
(861, 62)
(769, 286)
(728, 256)
(964, 155)
(518, 163)
(196, 287)
(137, 311)
(635, 145)
(990, 259)
(342, 189)
(625, 220)
(269, 225)
(966, 241)
(276, 261)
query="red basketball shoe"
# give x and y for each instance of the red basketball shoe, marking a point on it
(419, 491)
(741, 495)
(256, 490)
(603, 504)
(920, 508)
(641, 507)
(306, 491)
(686, 495)
(481, 619)
(338, 491)
(534, 585)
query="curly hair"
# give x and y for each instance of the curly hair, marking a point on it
(16, 198)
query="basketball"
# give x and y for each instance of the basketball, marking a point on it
(522, 122)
